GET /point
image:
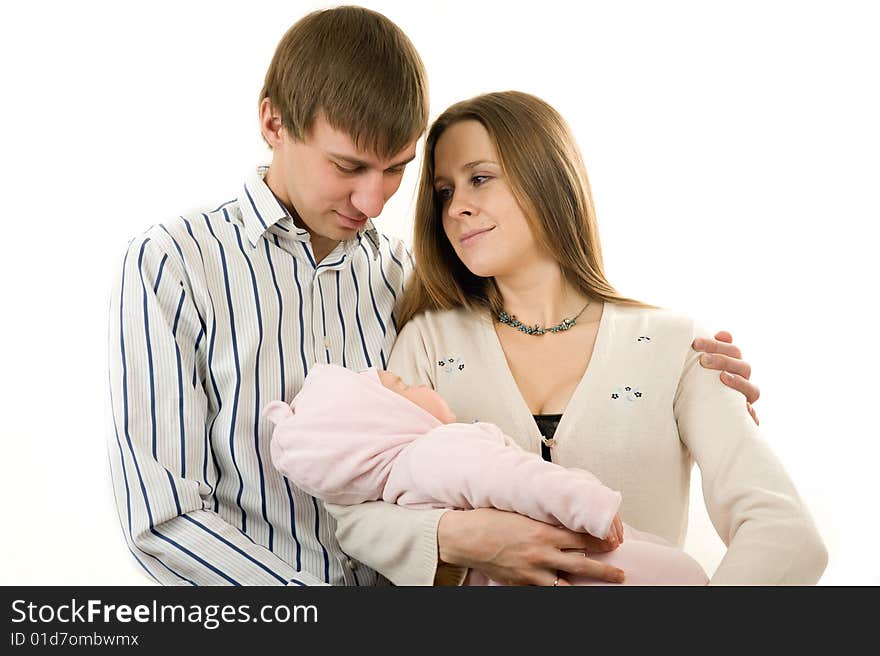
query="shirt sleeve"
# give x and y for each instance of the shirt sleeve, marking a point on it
(398, 542)
(160, 456)
(770, 536)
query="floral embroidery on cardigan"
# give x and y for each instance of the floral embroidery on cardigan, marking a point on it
(451, 364)
(628, 393)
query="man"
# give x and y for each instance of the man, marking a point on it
(215, 314)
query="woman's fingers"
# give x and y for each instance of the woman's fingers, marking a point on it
(583, 542)
(582, 565)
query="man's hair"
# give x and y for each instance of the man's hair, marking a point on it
(357, 69)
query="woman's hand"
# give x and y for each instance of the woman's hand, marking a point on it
(516, 550)
(722, 355)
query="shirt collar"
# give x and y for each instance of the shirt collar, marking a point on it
(372, 236)
(261, 211)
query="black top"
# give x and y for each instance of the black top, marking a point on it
(547, 424)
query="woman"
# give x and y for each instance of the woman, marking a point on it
(505, 231)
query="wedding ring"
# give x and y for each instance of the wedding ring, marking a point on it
(556, 582)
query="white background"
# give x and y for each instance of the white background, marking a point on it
(733, 149)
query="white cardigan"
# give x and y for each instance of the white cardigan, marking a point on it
(643, 413)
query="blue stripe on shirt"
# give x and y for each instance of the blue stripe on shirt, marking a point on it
(237, 391)
(192, 555)
(302, 330)
(323, 321)
(254, 206)
(235, 548)
(341, 318)
(308, 253)
(159, 275)
(257, 386)
(280, 313)
(318, 538)
(180, 386)
(357, 318)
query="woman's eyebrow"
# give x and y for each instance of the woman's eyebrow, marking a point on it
(476, 163)
(468, 166)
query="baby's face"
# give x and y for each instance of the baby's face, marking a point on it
(423, 396)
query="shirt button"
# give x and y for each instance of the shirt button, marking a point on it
(326, 342)
(351, 564)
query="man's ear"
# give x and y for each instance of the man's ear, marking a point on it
(270, 124)
(276, 412)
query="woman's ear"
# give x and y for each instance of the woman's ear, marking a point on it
(276, 412)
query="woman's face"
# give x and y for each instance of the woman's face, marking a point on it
(481, 217)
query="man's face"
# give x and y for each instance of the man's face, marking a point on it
(332, 185)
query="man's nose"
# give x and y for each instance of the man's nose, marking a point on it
(369, 197)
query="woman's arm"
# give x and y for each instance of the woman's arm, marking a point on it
(752, 502)
(400, 543)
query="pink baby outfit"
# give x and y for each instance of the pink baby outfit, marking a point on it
(347, 439)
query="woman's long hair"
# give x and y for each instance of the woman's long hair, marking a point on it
(546, 174)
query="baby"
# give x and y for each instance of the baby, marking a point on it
(352, 437)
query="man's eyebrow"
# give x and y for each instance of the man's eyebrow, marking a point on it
(362, 164)
(403, 162)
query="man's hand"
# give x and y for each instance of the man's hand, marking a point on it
(516, 550)
(721, 354)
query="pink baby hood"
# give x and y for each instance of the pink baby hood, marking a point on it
(366, 424)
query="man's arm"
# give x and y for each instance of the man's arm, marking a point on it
(160, 457)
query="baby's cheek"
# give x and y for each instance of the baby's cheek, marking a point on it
(428, 400)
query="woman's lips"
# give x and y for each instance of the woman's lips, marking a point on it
(472, 235)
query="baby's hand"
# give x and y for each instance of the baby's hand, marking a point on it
(609, 543)
(615, 534)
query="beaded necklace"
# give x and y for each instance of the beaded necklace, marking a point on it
(565, 324)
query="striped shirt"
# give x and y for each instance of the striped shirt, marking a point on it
(213, 316)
